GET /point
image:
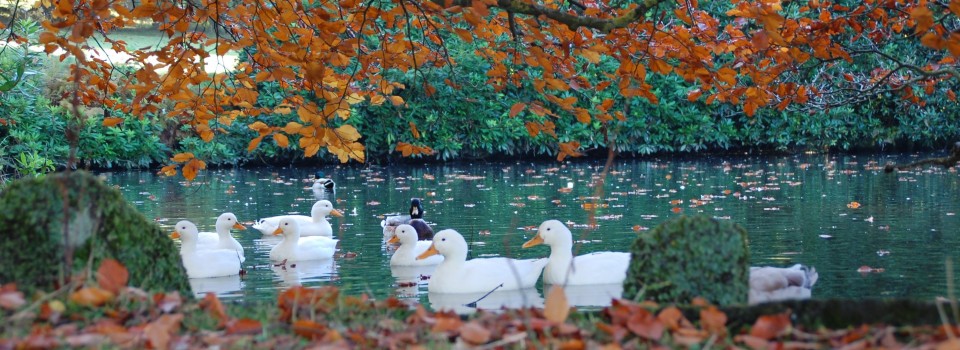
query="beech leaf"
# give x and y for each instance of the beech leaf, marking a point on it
(112, 275)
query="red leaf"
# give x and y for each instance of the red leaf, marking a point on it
(244, 326)
(645, 325)
(213, 306)
(160, 331)
(517, 108)
(309, 329)
(713, 320)
(112, 275)
(770, 326)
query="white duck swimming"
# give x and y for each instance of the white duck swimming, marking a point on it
(414, 218)
(565, 269)
(323, 188)
(781, 283)
(206, 262)
(296, 248)
(314, 225)
(456, 274)
(222, 239)
(410, 247)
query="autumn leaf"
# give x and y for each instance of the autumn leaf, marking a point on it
(281, 140)
(517, 108)
(215, 308)
(414, 131)
(159, 332)
(556, 308)
(309, 329)
(644, 324)
(254, 143)
(924, 18)
(713, 320)
(770, 326)
(474, 333)
(182, 157)
(110, 122)
(568, 149)
(11, 299)
(91, 296)
(244, 326)
(192, 167)
(112, 275)
(396, 100)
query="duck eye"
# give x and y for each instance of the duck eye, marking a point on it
(443, 239)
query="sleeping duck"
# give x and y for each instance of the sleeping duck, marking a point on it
(565, 269)
(203, 263)
(781, 283)
(314, 225)
(456, 274)
(415, 219)
(323, 187)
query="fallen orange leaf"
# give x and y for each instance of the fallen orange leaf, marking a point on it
(244, 326)
(112, 275)
(645, 325)
(309, 329)
(91, 296)
(713, 320)
(670, 317)
(474, 333)
(770, 326)
(160, 331)
(853, 205)
(213, 305)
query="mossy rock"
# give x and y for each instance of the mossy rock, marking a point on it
(100, 223)
(688, 257)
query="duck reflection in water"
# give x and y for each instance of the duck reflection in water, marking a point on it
(303, 272)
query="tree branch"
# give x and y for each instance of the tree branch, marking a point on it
(572, 21)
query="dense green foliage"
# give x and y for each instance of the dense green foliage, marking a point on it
(39, 214)
(688, 257)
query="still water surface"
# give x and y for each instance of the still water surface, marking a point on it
(796, 210)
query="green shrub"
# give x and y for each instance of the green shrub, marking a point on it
(689, 257)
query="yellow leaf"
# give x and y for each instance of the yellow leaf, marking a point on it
(354, 98)
(222, 49)
(182, 157)
(517, 108)
(91, 296)
(292, 128)
(257, 126)
(556, 308)
(110, 122)
(169, 170)
(282, 109)
(311, 150)
(396, 100)
(282, 140)
(377, 100)
(191, 169)
(307, 113)
(348, 133)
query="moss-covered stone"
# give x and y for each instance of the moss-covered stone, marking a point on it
(34, 235)
(687, 257)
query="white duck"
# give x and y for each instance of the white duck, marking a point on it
(456, 274)
(781, 283)
(296, 248)
(410, 247)
(206, 262)
(222, 239)
(314, 225)
(565, 269)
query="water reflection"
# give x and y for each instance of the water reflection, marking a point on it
(304, 272)
(221, 286)
(591, 296)
(785, 204)
(468, 303)
(411, 280)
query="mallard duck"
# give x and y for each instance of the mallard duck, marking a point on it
(565, 269)
(323, 187)
(314, 225)
(222, 239)
(414, 218)
(207, 262)
(296, 248)
(456, 274)
(781, 283)
(410, 247)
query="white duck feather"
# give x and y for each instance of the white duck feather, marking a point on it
(456, 274)
(222, 239)
(410, 248)
(314, 225)
(586, 269)
(296, 248)
(203, 263)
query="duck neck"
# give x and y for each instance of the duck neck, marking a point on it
(223, 232)
(318, 216)
(187, 246)
(562, 253)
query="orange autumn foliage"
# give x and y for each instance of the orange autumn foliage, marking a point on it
(754, 55)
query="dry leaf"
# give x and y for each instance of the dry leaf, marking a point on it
(11, 300)
(645, 325)
(474, 333)
(213, 306)
(309, 329)
(91, 296)
(713, 320)
(160, 331)
(556, 308)
(244, 326)
(112, 275)
(770, 326)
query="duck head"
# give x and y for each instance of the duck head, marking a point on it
(416, 208)
(448, 243)
(550, 232)
(226, 221)
(323, 208)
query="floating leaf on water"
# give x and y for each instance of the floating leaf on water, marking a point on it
(883, 252)
(853, 205)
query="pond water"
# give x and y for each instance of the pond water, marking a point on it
(836, 213)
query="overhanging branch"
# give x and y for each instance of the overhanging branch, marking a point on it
(571, 20)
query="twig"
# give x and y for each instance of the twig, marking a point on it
(474, 303)
(947, 162)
